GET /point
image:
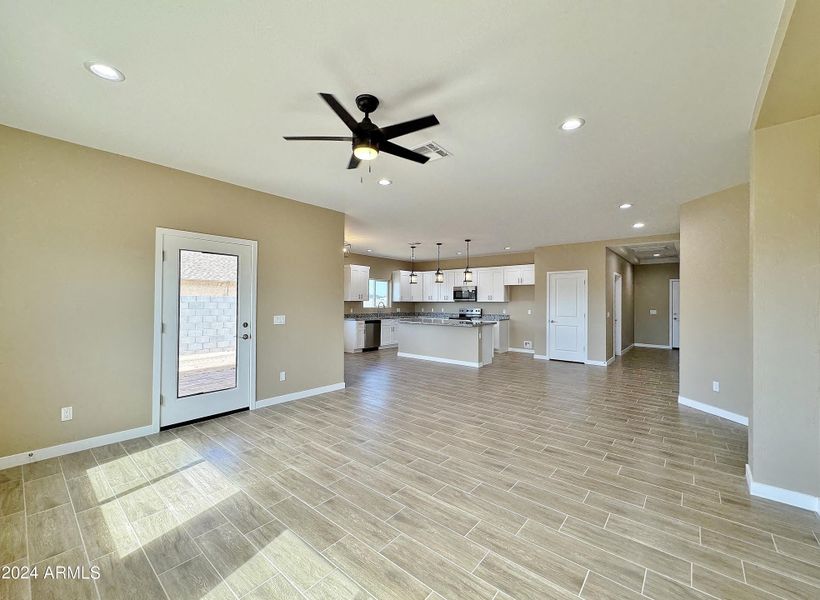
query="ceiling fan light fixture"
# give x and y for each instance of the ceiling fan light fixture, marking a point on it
(364, 151)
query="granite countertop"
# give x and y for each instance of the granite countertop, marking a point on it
(416, 315)
(444, 322)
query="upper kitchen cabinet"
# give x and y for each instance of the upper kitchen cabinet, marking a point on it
(401, 286)
(519, 275)
(490, 284)
(429, 288)
(356, 282)
(403, 290)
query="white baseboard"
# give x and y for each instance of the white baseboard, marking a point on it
(598, 363)
(627, 349)
(660, 346)
(522, 350)
(713, 410)
(299, 395)
(540, 356)
(770, 492)
(449, 361)
(76, 446)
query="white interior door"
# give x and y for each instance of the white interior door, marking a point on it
(675, 311)
(208, 287)
(617, 313)
(567, 316)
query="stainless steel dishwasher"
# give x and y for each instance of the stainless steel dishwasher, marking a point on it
(372, 335)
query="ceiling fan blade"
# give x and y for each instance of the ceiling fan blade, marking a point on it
(396, 150)
(318, 138)
(392, 131)
(345, 116)
(354, 162)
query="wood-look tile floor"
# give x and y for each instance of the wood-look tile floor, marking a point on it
(524, 479)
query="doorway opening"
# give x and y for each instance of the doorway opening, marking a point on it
(617, 299)
(674, 313)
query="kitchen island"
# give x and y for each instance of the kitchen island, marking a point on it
(441, 340)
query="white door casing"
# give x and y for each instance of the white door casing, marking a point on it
(174, 402)
(617, 313)
(567, 315)
(674, 313)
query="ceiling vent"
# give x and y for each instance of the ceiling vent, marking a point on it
(432, 151)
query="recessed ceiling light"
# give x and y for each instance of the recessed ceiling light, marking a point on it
(625, 205)
(506, 247)
(104, 71)
(638, 225)
(384, 181)
(656, 254)
(459, 252)
(572, 123)
(369, 250)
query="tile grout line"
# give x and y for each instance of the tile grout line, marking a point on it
(77, 519)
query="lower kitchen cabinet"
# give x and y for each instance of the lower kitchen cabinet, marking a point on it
(354, 335)
(389, 332)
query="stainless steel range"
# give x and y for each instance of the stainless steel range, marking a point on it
(469, 314)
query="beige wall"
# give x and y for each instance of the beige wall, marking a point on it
(380, 268)
(715, 329)
(652, 293)
(592, 257)
(785, 241)
(617, 264)
(77, 237)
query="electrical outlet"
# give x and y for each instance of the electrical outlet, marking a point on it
(67, 413)
(527, 345)
(529, 311)
(282, 376)
(715, 386)
(278, 319)
(504, 311)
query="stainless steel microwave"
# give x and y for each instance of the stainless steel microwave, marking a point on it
(465, 293)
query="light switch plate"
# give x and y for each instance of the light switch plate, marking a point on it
(529, 311)
(278, 319)
(67, 413)
(282, 376)
(715, 386)
(653, 311)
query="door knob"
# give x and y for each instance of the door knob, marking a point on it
(245, 336)
(551, 321)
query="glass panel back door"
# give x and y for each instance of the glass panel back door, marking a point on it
(207, 328)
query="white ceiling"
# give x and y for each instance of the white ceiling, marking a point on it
(644, 253)
(667, 89)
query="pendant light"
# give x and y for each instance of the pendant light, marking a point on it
(468, 274)
(439, 274)
(414, 278)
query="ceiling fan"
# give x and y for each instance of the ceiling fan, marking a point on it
(369, 139)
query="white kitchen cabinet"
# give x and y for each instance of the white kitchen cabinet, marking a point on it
(401, 287)
(389, 332)
(452, 278)
(490, 284)
(356, 280)
(354, 335)
(429, 287)
(501, 336)
(417, 290)
(519, 275)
